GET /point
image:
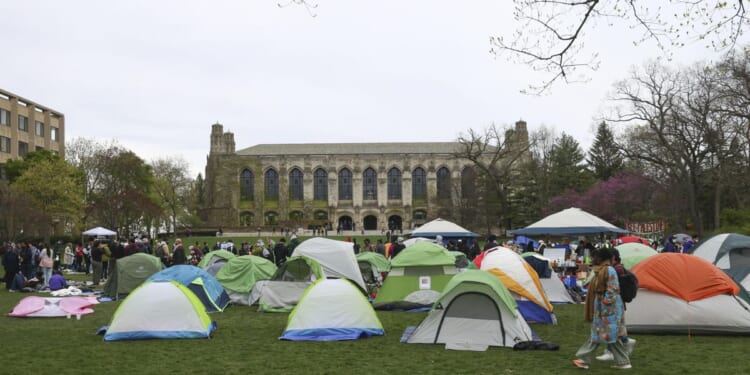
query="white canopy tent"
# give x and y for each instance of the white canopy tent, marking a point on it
(569, 222)
(444, 228)
(99, 231)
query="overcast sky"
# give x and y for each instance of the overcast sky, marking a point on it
(154, 75)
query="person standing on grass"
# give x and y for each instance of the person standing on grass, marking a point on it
(11, 264)
(96, 262)
(604, 309)
(45, 263)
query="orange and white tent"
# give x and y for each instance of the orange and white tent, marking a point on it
(522, 281)
(682, 293)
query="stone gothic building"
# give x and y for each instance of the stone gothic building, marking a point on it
(352, 186)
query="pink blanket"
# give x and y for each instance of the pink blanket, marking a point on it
(50, 307)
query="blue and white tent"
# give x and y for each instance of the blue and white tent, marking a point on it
(332, 310)
(571, 221)
(200, 282)
(160, 310)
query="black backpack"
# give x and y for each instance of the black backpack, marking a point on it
(628, 285)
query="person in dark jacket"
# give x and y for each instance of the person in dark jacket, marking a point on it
(11, 265)
(178, 254)
(279, 252)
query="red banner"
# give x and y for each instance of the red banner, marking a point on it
(652, 227)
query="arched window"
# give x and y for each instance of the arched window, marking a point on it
(468, 183)
(394, 184)
(247, 219)
(345, 185)
(419, 184)
(320, 185)
(443, 183)
(247, 185)
(295, 185)
(369, 185)
(272, 185)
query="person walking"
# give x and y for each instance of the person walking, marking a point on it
(604, 309)
(629, 342)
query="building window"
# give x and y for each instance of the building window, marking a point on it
(394, 184)
(53, 134)
(39, 128)
(271, 218)
(23, 149)
(296, 217)
(345, 185)
(320, 185)
(295, 185)
(272, 185)
(4, 145)
(247, 219)
(443, 183)
(4, 117)
(247, 185)
(369, 185)
(23, 123)
(419, 184)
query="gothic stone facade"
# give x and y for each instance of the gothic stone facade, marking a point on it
(370, 186)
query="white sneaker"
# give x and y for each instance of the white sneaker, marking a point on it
(629, 346)
(607, 356)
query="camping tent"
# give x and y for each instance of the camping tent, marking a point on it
(521, 280)
(285, 288)
(99, 231)
(473, 309)
(214, 260)
(634, 239)
(200, 282)
(682, 293)
(551, 283)
(731, 253)
(160, 310)
(444, 228)
(132, 270)
(336, 257)
(569, 222)
(239, 275)
(632, 253)
(332, 310)
(372, 265)
(53, 307)
(418, 275)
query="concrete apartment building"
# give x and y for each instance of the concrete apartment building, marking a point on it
(26, 126)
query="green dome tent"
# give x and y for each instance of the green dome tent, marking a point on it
(239, 275)
(284, 290)
(633, 253)
(130, 272)
(418, 275)
(474, 309)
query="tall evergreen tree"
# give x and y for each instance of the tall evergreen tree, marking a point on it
(567, 167)
(604, 158)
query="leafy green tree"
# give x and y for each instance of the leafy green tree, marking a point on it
(605, 158)
(123, 196)
(172, 186)
(14, 168)
(54, 187)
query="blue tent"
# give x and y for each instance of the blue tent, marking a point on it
(200, 282)
(523, 240)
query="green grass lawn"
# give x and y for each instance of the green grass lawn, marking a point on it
(246, 341)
